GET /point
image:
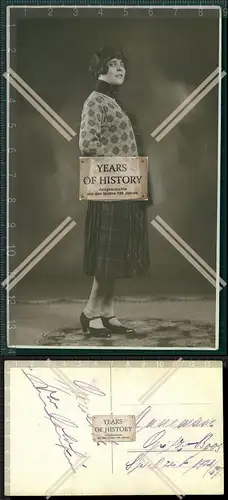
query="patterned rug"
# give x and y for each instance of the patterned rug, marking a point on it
(149, 333)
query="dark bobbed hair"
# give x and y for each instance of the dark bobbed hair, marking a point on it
(99, 62)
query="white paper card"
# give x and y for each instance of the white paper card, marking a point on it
(49, 446)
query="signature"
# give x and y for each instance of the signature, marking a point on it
(81, 395)
(64, 427)
(157, 445)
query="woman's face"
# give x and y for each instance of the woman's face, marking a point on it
(116, 72)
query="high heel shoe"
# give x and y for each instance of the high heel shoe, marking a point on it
(115, 328)
(95, 332)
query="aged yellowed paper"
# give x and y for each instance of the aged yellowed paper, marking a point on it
(51, 408)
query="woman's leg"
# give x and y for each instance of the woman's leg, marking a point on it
(101, 301)
(94, 304)
(107, 307)
(108, 303)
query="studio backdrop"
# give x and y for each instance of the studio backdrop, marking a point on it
(168, 59)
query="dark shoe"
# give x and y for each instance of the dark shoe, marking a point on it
(95, 332)
(114, 328)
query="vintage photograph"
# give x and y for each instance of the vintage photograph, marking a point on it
(103, 86)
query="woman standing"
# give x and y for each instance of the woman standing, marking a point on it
(116, 233)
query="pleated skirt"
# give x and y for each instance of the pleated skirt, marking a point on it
(116, 239)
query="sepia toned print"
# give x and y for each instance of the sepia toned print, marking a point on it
(129, 273)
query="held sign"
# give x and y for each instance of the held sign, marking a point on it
(113, 178)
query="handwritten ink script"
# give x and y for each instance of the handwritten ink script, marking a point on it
(50, 396)
(49, 422)
(190, 455)
(176, 423)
